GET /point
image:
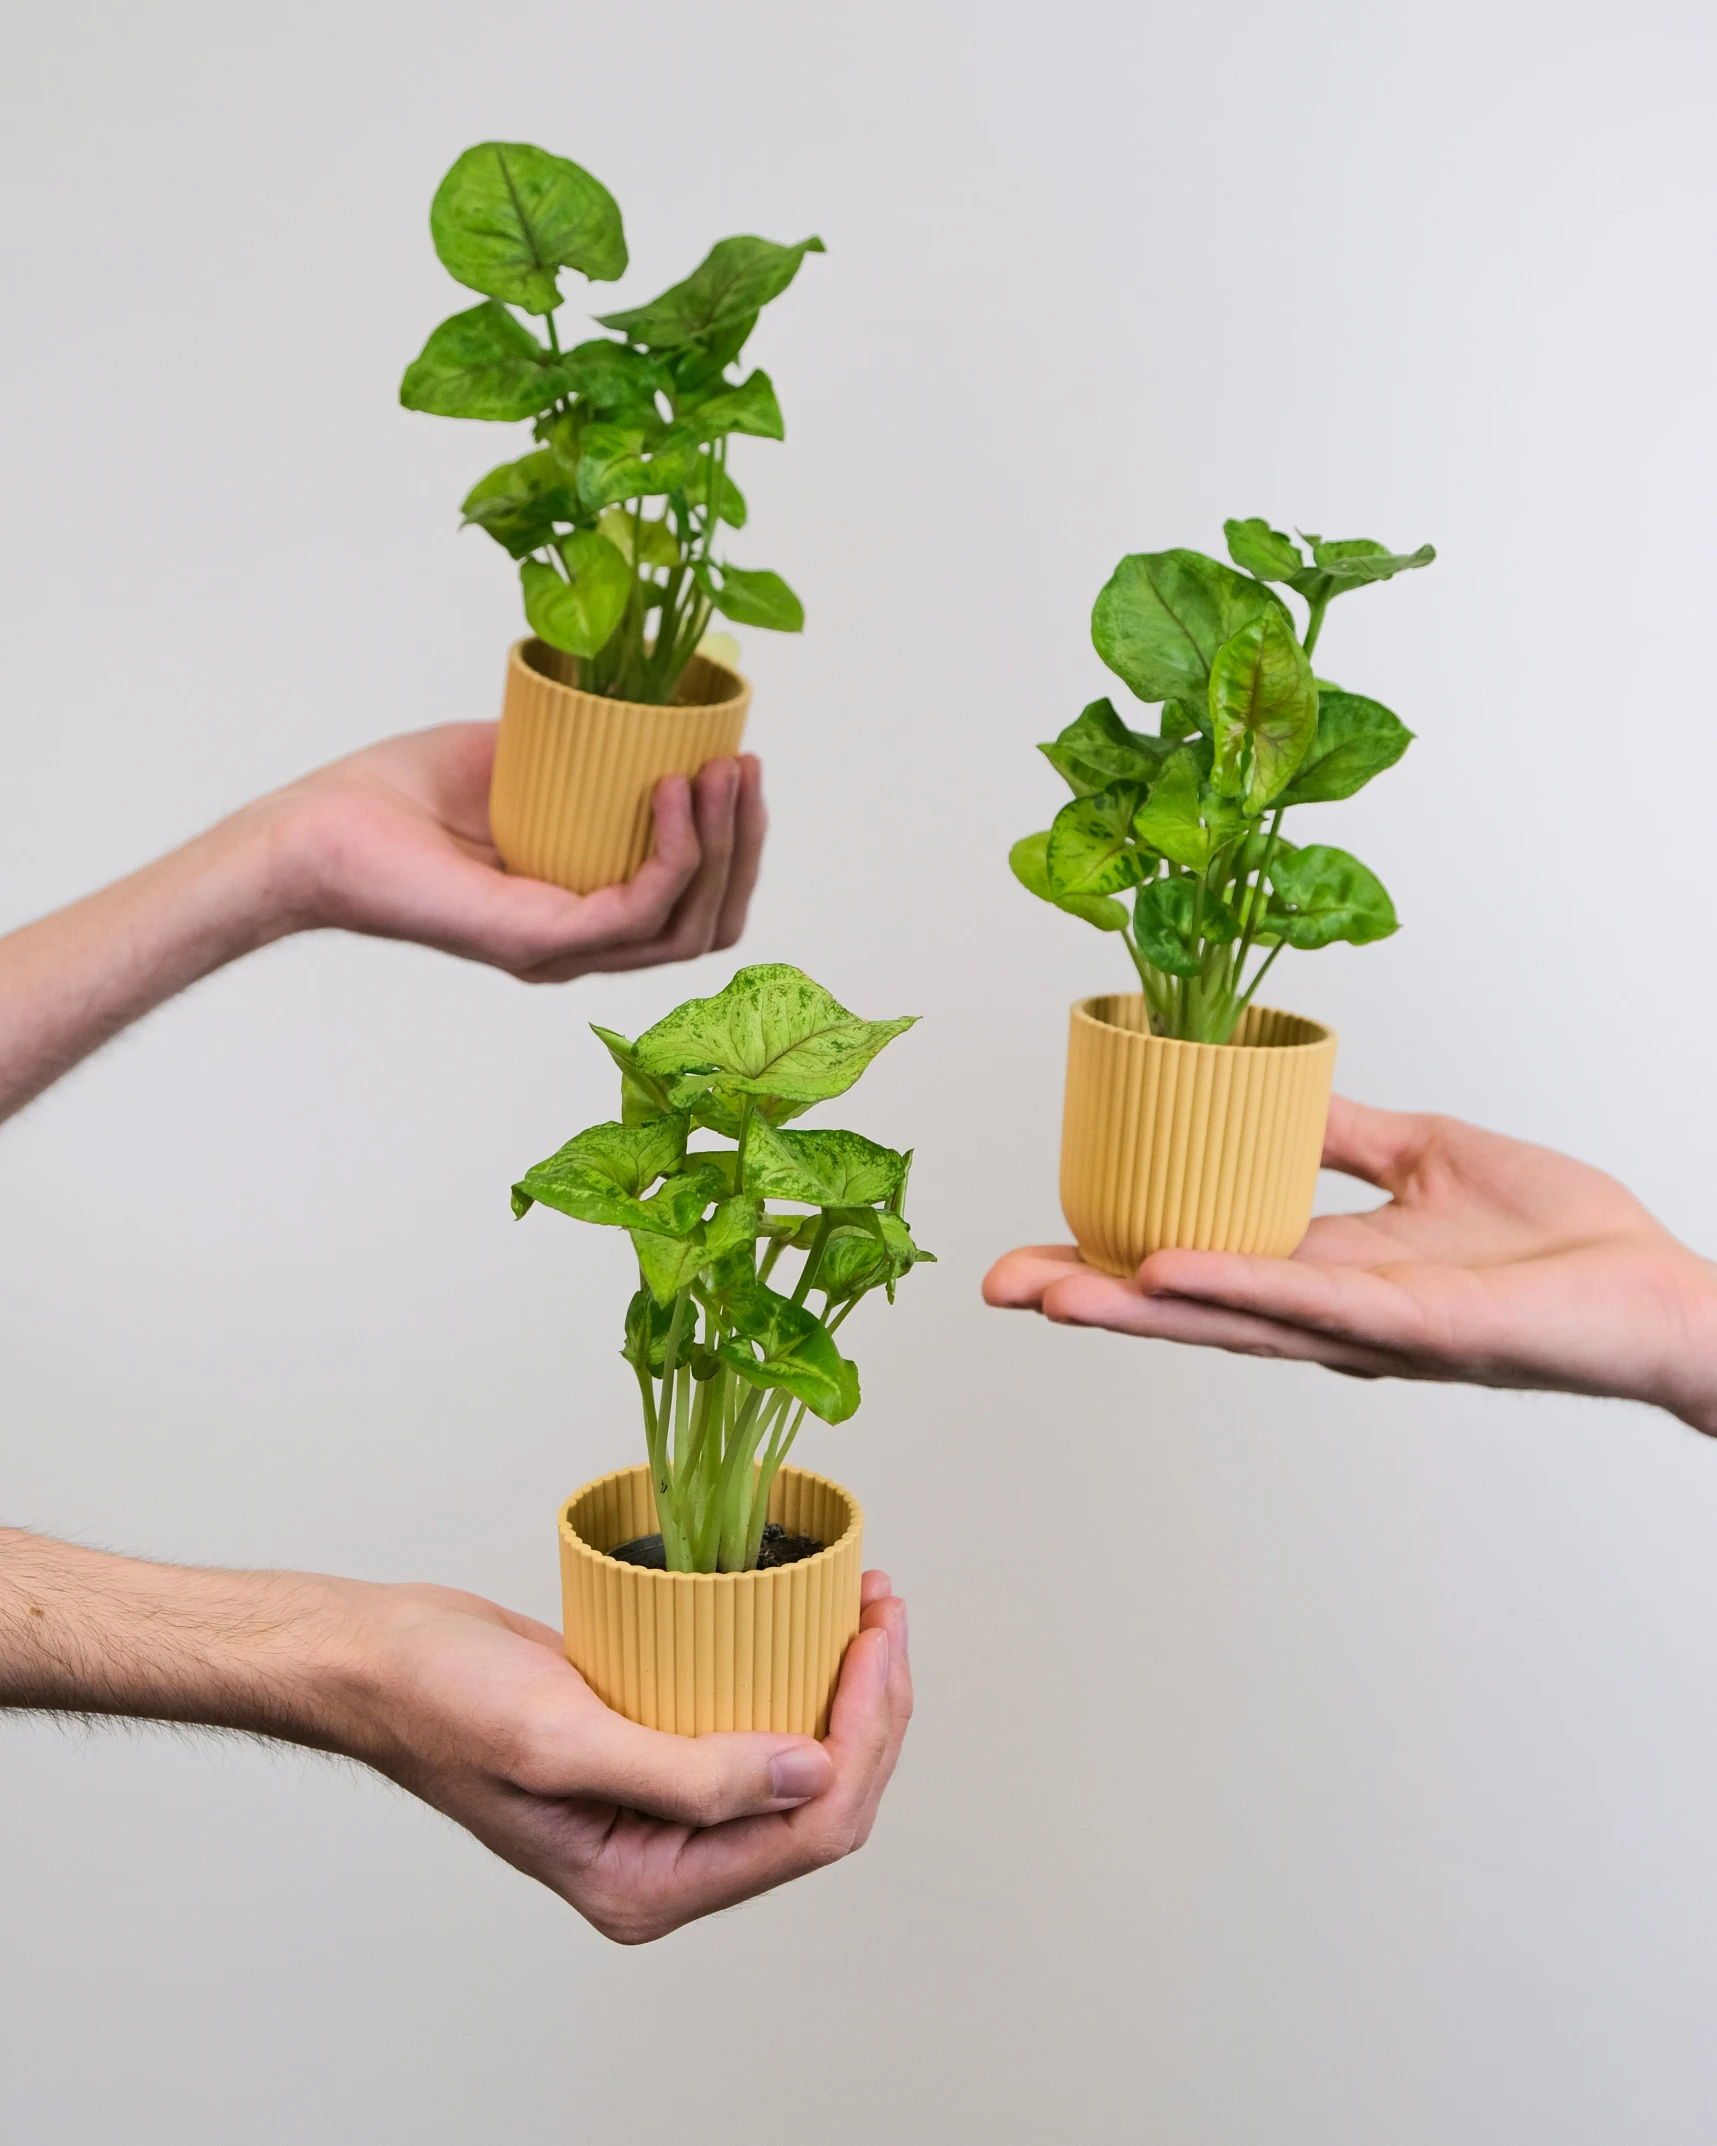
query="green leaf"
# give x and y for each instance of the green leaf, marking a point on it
(698, 367)
(856, 1262)
(508, 216)
(1162, 616)
(1181, 720)
(643, 1096)
(735, 1226)
(600, 1174)
(1162, 926)
(1361, 559)
(656, 542)
(1356, 739)
(755, 597)
(1264, 710)
(520, 502)
(1324, 895)
(751, 407)
(622, 462)
(483, 364)
(798, 1356)
(719, 1112)
(1186, 822)
(1097, 749)
(615, 377)
(825, 1168)
(1029, 862)
(1261, 550)
(579, 613)
(1351, 563)
(737, 278)
(647, 1325)
(772, 1032)
(1091, 848)
(668, 1264)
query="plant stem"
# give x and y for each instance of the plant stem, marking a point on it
(1314, 625)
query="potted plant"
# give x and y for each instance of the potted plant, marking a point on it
(714, 1587)
(1194, 1115)
(614, 514)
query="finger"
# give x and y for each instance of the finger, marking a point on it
(874, 1587)
(1377, 1146)
(689, 930)
(643, 909)
(716, 797)
(617, 927)
(1356, 1304)
(1018, 1279)
(694, 1780)
(750, 825)
(890, 1616)
(1078, 1302)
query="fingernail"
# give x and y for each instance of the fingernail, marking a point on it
(795, 1775)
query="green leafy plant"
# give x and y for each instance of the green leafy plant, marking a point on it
(613, 516)
(729, 1361)
(1188, 821)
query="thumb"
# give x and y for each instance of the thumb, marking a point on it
(696, 1780)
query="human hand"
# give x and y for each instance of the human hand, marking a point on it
(477, 1711)
(1493, 1262)
(395, 842)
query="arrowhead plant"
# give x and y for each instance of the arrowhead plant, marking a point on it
(1187, 820)
(734, 1241)
(613, 515)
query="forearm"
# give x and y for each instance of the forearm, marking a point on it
(272, 1652)
(74, 979)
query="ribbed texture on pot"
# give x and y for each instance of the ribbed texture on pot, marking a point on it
(695, 1651)
(1213, 1146)
(574, 773)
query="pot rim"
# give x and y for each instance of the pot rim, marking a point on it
(741, 685)
(855, 1521)
(1082, 1012)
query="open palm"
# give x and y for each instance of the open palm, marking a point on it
(1493, 1262)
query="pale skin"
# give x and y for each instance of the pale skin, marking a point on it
(1492, 1262)
(469, 1706)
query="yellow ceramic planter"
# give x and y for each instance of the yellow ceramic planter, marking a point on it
(696, 1651)
(574, 773)
(1213, 1146)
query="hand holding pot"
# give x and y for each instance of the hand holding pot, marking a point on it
(472, 1708)
(1493, 1262)
(395, 842)
(483, 1716)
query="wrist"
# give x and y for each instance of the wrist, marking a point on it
(1686, 1385)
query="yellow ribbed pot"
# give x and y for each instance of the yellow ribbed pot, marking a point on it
(574, 773)
(696, 1651)
(1212, 1146)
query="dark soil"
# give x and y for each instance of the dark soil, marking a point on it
(779, 1548)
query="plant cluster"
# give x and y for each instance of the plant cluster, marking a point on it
(1189, 820)
(728, 1359)
(645, 415)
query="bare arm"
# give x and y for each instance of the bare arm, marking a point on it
(393, 842)
(1492, 1262)
(472, 1708)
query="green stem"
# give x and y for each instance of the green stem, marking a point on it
(1314, 625)
(776, 1453)
(746, 1104)
(1263, 971)
(813, 1258)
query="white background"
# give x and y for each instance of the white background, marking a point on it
(1297, 1761)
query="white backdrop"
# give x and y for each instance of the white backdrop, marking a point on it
(1297, 1761)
